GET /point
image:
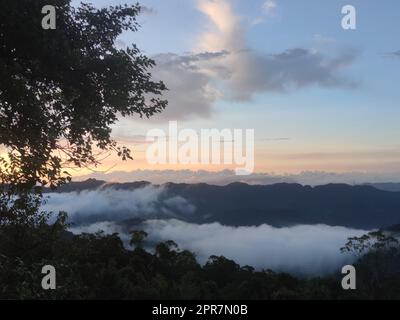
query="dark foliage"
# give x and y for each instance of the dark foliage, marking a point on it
(98, 266)
(61, 90)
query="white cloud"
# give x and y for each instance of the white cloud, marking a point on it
(225, 31)
(109, 204)
(307, 250)
(303, 249)
(223, 66)
(250, 72)
(269, 6)
(190, 84)
(394, 54)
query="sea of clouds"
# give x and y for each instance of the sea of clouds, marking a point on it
(303, 250)
(109, 204)
(306, 250)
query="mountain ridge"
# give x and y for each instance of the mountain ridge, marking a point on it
(280, 205)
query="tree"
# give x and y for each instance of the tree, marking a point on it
(137, 238)
(372, 241)
(378, 263)
(61, 90)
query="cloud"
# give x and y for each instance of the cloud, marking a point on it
(223, 67)
(268, 9)
(269, 6)
(306, 250)
(225, 32)
(251, 72)
(303, 249)
(106, 226)
(196, 81)
(147, 10)
(189, 79)
(293, 69)
(395, 54)
(109, 204)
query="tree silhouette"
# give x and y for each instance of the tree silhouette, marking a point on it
(137, 238)
(372, 241)
(61, 90)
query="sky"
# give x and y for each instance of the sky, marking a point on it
(319, 97)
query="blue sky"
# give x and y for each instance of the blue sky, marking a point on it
(291, 71)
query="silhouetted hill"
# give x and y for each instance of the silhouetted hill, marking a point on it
(280, 204)
(89, 184)
(285, 204)
(93, 184)
(386, 186)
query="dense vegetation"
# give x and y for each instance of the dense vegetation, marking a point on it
(98, 266)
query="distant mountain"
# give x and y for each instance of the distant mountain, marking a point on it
(388, 186)
(93, 184)
(279, 204)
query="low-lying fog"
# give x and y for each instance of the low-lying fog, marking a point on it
(308, 250)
